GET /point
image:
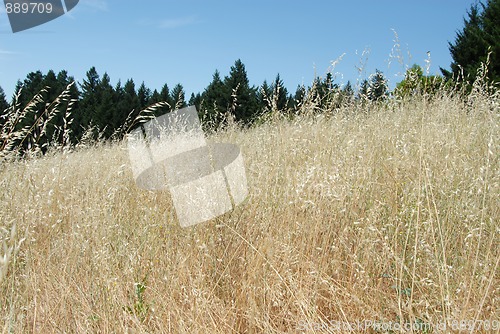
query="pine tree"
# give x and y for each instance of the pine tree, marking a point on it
(213, 101)
(31, 86)
(48, 117)
(378, 89)
(165, 95)
(348, 90)
(121, 110)
(177, 97)
(280, 94)
(33, 82)
(18, 88)
(325, 92)
(128, 105)
(3, 106)
(363, 90)
(104, 116)
(491, 23)
(90, 98)
(265, 97)
(131, 100)
(162, 96)
(3, 101)
(347, 95)
(331, 90)
(50, 81)
(317, 91)
(41, 123)
(144, 95)
(64, 80)
(56, 85)
(241, 98)
(480, 35)
(155, 97)
(90, 85)
(299, 96)
(195, 100)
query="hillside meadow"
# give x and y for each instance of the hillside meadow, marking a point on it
(376, 213)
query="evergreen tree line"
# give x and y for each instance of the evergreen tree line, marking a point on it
(99, 109)
(477, 43)
(54, 110)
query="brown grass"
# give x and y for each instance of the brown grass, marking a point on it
(390, 215)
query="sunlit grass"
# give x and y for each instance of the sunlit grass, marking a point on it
(386, 214)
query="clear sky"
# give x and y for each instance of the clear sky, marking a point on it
(185, 41)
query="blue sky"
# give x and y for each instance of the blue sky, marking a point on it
(163, 41)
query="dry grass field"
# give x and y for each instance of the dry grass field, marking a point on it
(383, 212)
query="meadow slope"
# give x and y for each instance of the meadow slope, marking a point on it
(384, 212)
